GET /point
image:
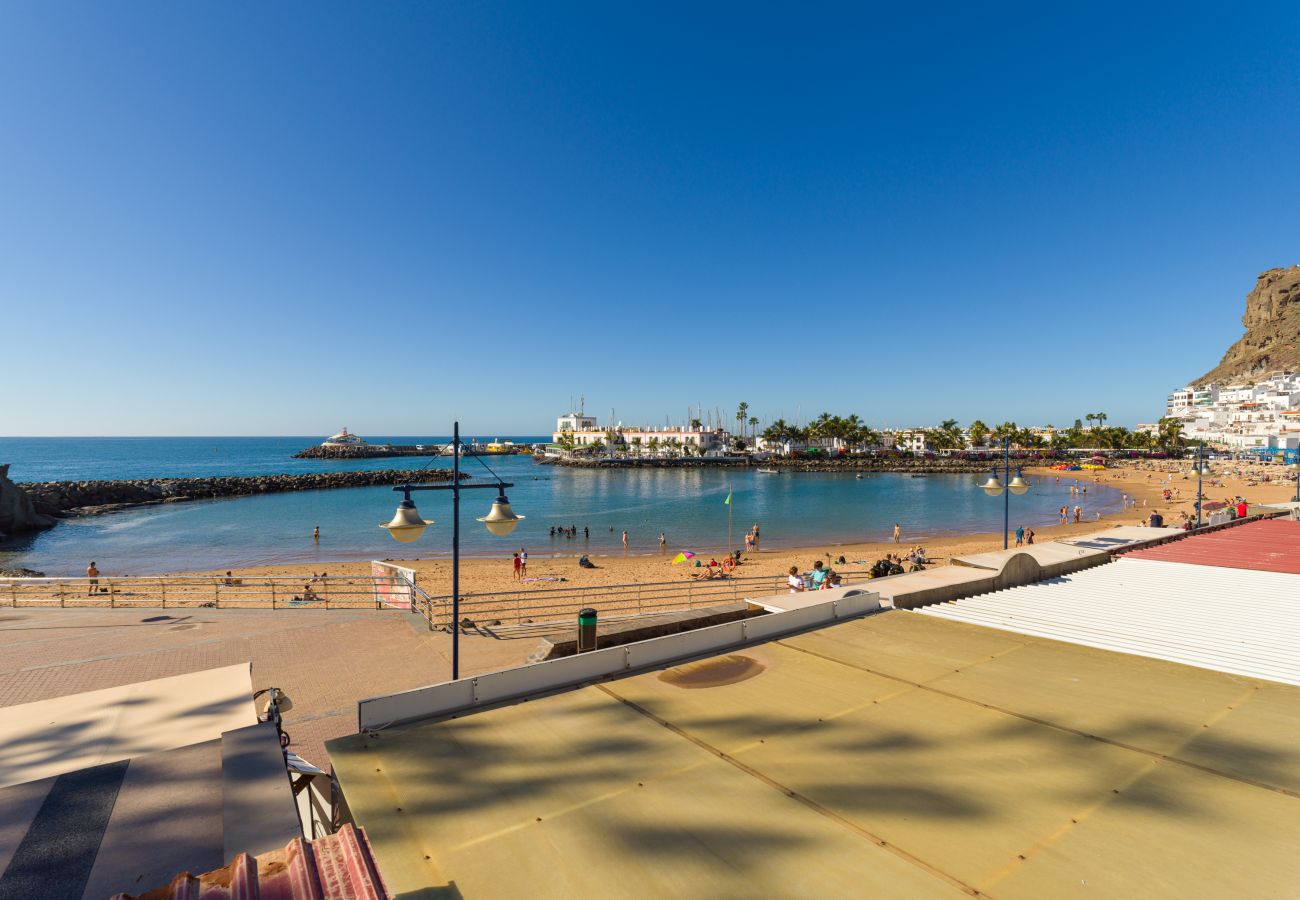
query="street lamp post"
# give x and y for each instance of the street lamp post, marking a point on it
(1016, 486)
(1201, 470)
(407, 526)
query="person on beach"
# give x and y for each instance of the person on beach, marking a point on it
(755, 534)
(1029, 536)
(795, 581)
(523, 562)
(1078, 514)
(518, 567)
(818, 575)
(749, 541)
(625, 539)
(663, 539)
(93, 574)
(315, 534)
(1020, 535)
(898, 532)
(586, 533)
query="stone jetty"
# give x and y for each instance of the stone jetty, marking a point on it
(76, 498)
(883, 463)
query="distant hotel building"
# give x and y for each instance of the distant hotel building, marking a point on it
(1263, 415)
(584, 431)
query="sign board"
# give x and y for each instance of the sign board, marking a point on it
(392, 584)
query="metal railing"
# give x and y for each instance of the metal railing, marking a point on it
(549, 604)
(218, 592)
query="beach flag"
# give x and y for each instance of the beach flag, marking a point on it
(728, 500)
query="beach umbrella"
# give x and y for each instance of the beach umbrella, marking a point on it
(683, 557)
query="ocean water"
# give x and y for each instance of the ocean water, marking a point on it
(793, 509)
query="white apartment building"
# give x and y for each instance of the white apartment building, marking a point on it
(1252, 416)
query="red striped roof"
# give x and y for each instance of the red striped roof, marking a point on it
(338, 866)
(1269, 545)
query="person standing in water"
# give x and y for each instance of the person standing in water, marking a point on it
(625, 539)
(315, 534)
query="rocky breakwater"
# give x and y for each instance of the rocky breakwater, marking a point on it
(917, 465)
(884, 462)
(18, 513)
(73, 498)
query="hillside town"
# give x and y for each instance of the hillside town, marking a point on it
(1255, 415)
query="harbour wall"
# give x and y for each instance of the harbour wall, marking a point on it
(74, 498)
(916, 465)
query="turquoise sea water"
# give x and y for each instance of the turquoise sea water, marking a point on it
(686, 504)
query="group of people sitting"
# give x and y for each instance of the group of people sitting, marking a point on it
(715, 569)
(822, 577)
(893, 565)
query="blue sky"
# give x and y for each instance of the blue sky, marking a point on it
(278, 218)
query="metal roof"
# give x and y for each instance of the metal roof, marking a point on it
(895, 755)
(335, 867)
(1269, 545)
(1231, 620)
(64, 734)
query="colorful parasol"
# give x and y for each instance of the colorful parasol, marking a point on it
(683, 557)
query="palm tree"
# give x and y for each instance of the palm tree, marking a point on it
(979, 433)
(741, 411)
(753, 423)
(1100, 417)
(1091, 417)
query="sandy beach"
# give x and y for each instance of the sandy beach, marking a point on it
(1144, 482)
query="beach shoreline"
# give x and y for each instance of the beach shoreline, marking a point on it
(1142, 481)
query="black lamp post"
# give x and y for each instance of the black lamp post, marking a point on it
(1201, 469)
(1016, 486)
(407, 526)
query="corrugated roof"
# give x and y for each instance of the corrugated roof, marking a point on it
(1270, 545)
(1228, 619)
(335, 867)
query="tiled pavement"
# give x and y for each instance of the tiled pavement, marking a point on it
(325, 660)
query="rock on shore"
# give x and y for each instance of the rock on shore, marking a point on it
(17, 511)
(64, 498)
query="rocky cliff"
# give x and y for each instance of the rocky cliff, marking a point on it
(1272, 340)
(17, 512)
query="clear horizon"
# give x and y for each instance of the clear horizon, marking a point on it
(268, 221)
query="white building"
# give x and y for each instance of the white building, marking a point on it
(1251, 416)
(585, 431)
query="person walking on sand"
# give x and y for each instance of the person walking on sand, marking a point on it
(1029, 535)
(523, 562)
(898, 532)
(1020, 535)
(518, 568)
(93, 574)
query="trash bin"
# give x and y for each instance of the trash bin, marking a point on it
(586, 630)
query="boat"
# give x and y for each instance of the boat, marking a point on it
(763, 471)
(858, 476)
(344, 439)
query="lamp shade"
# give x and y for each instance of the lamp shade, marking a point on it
(992, 487)
(501, 519)
(406, 525)
(1018, 484)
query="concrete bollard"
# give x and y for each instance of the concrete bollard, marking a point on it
(586, 630)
